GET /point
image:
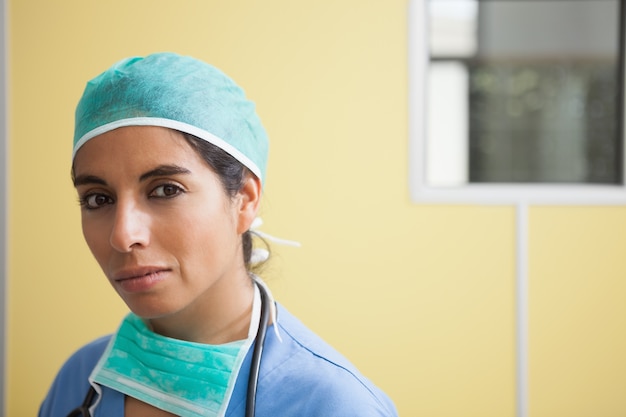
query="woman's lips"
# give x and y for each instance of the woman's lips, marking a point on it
(140, 280)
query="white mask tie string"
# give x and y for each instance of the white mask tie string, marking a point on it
(273, 312)
(259, 254)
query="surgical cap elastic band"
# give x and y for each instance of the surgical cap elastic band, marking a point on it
(172, 124)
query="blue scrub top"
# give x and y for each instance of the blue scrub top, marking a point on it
(302, 376)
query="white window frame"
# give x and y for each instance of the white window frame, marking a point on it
(480, 193)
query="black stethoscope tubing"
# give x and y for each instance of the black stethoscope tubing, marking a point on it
(255, 366)
(259, 341)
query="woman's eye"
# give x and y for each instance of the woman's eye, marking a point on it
(166, 191)
(95, 201)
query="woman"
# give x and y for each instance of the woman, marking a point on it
(169, 162)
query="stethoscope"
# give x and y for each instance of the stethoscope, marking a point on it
(255, 366)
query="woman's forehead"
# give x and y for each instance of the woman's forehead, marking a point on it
(134, 147)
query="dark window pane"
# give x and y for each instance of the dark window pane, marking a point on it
(545, 86)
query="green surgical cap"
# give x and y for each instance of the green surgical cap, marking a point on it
(177, 92)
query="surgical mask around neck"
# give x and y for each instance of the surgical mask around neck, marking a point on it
(185, 378)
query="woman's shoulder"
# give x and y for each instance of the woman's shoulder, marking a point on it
(71, 382)
(82, 361)
(317, 377)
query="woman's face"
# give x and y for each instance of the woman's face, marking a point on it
(158, 220)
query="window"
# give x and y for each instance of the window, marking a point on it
(517, 100)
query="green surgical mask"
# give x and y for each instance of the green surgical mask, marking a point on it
(185, 378)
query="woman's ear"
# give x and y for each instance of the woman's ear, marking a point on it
(249, 201)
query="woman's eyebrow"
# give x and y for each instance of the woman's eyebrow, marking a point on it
(164, 171)
(88, 179)
(160, 171)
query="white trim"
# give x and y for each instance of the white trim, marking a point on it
(172, 124)
(521, 306)
(512, 194)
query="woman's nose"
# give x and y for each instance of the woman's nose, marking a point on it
(131, 227)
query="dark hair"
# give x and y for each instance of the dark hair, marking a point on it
(232, 174)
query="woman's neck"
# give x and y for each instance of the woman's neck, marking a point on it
(220, 315)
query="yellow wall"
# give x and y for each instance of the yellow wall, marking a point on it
(421, 298)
